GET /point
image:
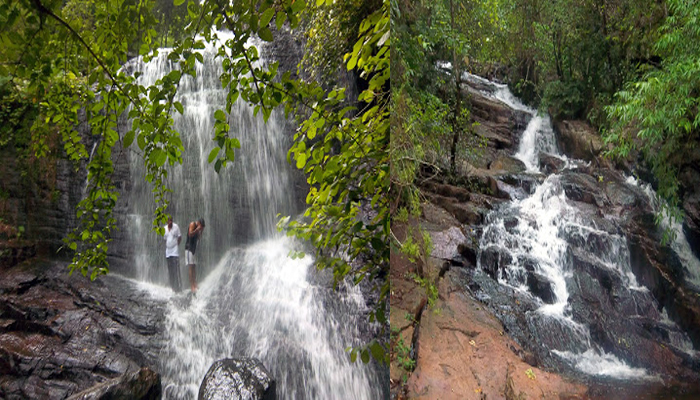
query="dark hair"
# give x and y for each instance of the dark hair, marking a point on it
(201, 221)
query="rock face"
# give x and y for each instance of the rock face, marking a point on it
(578, 139)
(143, 384)
(448, 344)
(61, 334)
(463, 354)
(39, 196)
(242, 379)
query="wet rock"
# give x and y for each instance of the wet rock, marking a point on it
(60, 335)
(691, 224)
(468, 250)
(578, 139)
(583, 188)
(14, 253)
(540, 286)
(494, 259)
(509, 192)
(584, 262)
(143, 384)
(526, 182)
(244, 379)
(550, 164)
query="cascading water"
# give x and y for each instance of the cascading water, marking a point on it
(538, 135)
(253, 299)
(538, 246)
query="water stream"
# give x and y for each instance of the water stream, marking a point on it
(253, 300)
(534, 245)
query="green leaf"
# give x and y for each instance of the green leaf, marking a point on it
(364, 356)
(159, 156)
(178, 107)
(265, 34)
(178, 2)
(301, 160)
(377, 351)
(213, 153)
(141, 140)
(279, 21)
(128, 138)
(298, 5)
(220, 116)
(266, 17)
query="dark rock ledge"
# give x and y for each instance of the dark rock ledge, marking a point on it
(60, 334)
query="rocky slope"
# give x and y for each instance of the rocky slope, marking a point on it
(62, 334)
(457, 333)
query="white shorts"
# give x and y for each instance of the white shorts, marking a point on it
(189, 258)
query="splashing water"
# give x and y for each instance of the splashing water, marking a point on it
(253, 300)
(258, 302)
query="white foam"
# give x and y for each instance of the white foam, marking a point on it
(597, 363)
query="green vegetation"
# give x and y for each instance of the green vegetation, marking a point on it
(658, 114)
(62, 65)
(627, 67)
(403, 356)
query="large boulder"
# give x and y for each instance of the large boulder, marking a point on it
(243, 379)
(143, 384)
(583, 188)
(578, 139)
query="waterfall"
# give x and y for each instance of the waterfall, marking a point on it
(253, 299)
(535, 243)
(538, 135)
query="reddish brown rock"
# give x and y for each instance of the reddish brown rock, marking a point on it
(462, 353)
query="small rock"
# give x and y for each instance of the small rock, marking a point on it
(541, 287)
(550, 164)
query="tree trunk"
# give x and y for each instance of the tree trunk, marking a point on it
(458, 99)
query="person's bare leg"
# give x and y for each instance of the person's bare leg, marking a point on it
(193, 284)
(194, 276)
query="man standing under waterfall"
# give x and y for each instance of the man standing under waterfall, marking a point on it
(172, 255)
(194, 232)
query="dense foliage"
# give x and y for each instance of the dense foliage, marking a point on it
(67, 58)
(572, 56)
(658, 114)
(430, 118)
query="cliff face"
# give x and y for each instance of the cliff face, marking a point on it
(38, 197)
